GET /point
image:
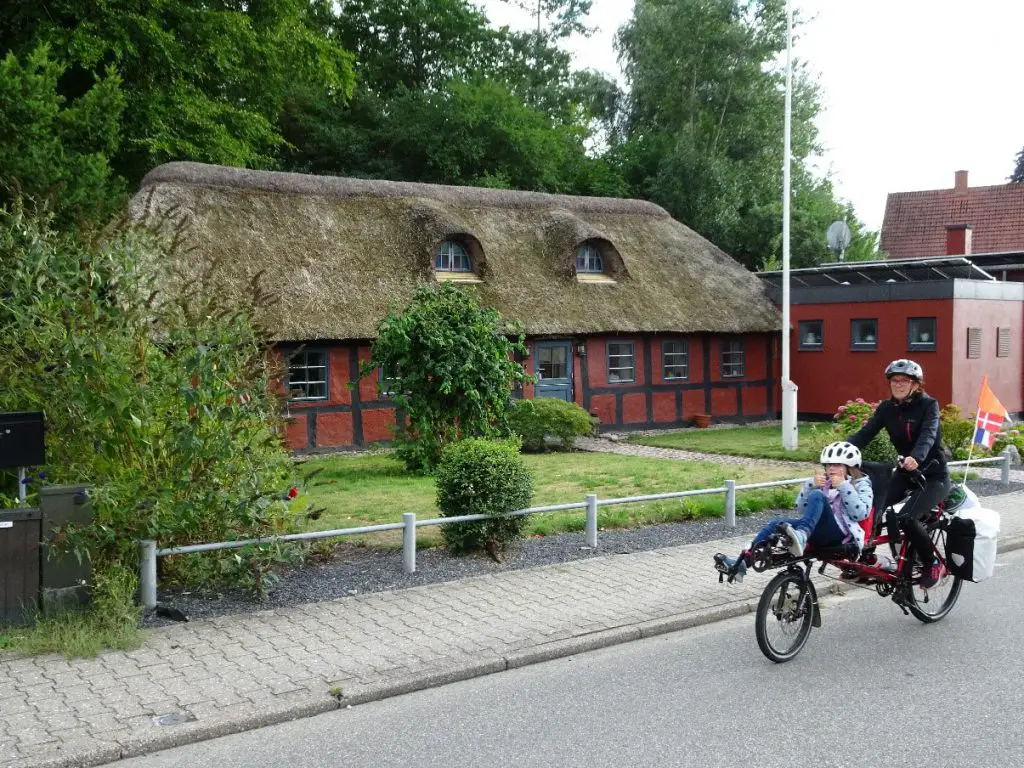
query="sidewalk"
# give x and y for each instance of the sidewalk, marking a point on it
(213, 677)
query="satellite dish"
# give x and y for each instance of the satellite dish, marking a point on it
(838, 237)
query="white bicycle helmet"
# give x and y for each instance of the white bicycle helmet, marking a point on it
(905, 367)
(841, 453)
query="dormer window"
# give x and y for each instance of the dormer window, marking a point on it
(588, 261)
(452, 257)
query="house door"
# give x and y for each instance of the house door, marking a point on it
(554, 369)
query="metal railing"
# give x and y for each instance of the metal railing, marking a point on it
(149, 552)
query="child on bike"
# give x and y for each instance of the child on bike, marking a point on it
(830, 506)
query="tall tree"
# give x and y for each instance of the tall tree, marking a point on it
(201, 81)
(1018, 172)
(703, 131)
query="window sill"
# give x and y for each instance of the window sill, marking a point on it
(457, 277)
(922, 348)
(864, 348)
(594, 279)
(818, 348)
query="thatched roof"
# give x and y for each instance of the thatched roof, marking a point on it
(340, 252)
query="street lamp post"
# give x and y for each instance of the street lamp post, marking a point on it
(789, 431)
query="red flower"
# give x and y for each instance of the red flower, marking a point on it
(293, 492)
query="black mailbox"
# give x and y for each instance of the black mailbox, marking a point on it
(21, 440)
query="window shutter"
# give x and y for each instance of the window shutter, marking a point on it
(1002, 342)
(973, 343)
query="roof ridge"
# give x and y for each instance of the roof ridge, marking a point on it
(281, 182)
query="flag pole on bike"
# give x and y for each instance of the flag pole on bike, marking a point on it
(988, 422)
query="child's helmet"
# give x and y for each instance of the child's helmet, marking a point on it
(841, 453)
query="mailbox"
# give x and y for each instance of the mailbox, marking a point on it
(21, 440)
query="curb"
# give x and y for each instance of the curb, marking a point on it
(310, 703)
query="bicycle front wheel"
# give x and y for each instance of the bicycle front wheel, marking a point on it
(930, 605)
(784, 616)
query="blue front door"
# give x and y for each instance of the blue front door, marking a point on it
(554, 369)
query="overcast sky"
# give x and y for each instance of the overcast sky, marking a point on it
(913, 89)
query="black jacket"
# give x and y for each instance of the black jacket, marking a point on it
(913, 428)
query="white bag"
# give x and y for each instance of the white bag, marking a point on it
(971, 543)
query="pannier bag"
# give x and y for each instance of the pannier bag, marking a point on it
(971, 544)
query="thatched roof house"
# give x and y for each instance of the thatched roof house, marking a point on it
(341, 252)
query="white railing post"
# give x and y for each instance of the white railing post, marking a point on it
(147, 573)
(591, 526)
(409, 542)
(730, 503)
(1006, 469)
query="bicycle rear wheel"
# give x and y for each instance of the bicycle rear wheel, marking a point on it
(930, 605)
(784, 616)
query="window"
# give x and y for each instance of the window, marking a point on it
(973, 343)
(921, 333)
(621, 364)
(864, 334)
(812, 334)
(388, 383)
(1002, 342)
(452, 257)
(553, 362)
(588, 260)
(732, 358)
(307, 375)
(675, 360)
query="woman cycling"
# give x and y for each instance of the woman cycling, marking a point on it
(911, 418)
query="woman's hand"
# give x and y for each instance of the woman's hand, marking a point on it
(909, 463)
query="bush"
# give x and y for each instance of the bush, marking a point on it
(483, 477)
(957, 432)
(533, 420)
(162, 402)
(452, 370)
(853, 415)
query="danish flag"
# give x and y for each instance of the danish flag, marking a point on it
(991, 415)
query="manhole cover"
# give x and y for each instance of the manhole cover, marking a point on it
(174, 718)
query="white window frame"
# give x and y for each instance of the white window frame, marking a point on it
(732, 358)
(618, 357)
(589, 260)
(300, 361)
(675, 360)
(452, 256)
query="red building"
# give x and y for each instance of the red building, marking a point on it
(850, 320)
(629, 313)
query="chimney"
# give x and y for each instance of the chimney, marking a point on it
(958, 239)
(960, 182)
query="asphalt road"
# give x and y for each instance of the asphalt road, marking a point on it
(872, 687)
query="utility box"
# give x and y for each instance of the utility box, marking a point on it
(20, 534)
(21, 440)
(65, 582)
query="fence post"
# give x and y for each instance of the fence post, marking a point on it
(147, 573)
(591, 527)
(730, 503)
(409, 542)
(1006, 469)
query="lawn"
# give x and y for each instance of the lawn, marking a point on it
(759, 442)
(366, 490)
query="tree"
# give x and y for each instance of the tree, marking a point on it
(1018, 172)
(702, 134)
(201, 81)
(453, 371)
(52, 149)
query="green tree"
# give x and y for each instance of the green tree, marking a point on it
(53, 149)
(1018, 172)
(453, 370)
(201, 81)
(702, 134)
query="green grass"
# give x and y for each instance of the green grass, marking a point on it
(368, 490)
(756, 442)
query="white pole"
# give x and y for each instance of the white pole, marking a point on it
(789, 429)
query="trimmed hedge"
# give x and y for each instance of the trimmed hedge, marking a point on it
(483, 477)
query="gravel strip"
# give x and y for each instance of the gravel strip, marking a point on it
(357, 570)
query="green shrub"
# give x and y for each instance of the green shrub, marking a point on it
(483, 477)
(853, 415)
(533, 420)
(957, 432)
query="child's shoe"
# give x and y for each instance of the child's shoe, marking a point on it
(797, 539)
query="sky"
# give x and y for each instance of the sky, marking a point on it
(913, 90)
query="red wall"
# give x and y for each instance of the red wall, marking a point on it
(1004, 373)
(829, 377)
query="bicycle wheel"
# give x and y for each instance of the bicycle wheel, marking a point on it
(930, 605)
(784, 616)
